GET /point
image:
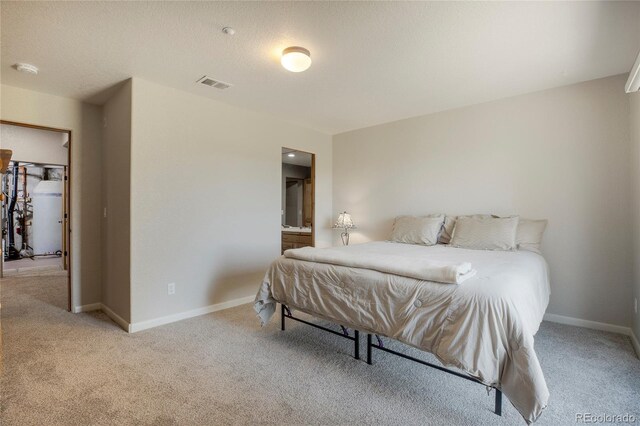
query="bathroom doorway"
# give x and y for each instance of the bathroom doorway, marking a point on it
(298, 199)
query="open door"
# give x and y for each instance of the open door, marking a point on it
(298, 199)
(36, 210)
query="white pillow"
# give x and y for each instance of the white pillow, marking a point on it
(417, 230)
(449, 224)
(447, 230)
(529, 234)
(485, 233)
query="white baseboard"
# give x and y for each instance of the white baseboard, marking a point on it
(635, 343)
(602, 326)
(116, 318)
(87, 308)
(144, 325)
(594, 325)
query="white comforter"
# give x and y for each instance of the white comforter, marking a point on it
(376, 257)
(484, 326)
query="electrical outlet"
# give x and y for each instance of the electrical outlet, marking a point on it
(171, 289)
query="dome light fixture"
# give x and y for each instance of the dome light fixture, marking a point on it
(296, 59)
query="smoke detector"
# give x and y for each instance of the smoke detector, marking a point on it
(26, 68)
(208, 81)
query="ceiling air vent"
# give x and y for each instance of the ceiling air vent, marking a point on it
(208, 81)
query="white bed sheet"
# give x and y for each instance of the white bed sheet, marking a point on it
(484, 326)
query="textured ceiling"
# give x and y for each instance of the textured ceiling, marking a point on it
(373, 62)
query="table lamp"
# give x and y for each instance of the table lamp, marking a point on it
(345, 223)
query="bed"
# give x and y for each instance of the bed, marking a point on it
(484, 326)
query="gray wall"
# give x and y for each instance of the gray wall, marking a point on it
(213, 230)
(116, 227)
(634, 100)
(35, 145)
(561, 154)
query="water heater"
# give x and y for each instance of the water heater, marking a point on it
(47, 217)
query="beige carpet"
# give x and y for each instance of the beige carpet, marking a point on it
(221, 368)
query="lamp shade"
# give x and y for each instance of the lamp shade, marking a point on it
(344, 221)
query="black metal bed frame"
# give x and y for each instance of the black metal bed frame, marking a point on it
(286, 313)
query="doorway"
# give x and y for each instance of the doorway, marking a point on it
(36, 205)
(298, 199)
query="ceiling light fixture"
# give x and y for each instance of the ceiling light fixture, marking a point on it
(27, 68)
(228, 31)
(296, 59)
(291, 154)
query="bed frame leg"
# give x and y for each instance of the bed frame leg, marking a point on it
(356, 344)
(498, 409)
(282, 316)
(369, 361)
